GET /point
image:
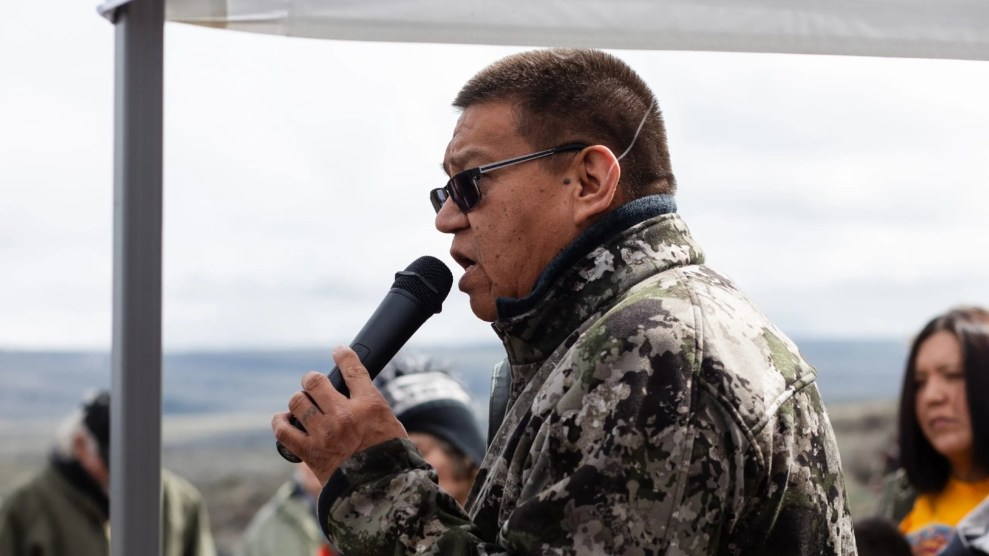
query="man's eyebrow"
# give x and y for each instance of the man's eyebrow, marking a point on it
(459, 161)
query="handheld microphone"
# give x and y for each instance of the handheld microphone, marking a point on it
(417, 294)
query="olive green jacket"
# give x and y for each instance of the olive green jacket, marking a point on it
(49, 516)
(285, 526)
(897, 497)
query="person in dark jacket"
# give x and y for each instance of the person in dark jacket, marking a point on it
(878, 536)
(65, 509)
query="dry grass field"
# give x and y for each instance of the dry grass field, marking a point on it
(865, 432)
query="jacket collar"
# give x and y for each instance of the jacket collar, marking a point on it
(642, 238)
(88, 496)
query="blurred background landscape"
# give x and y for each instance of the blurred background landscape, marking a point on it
(217, 408)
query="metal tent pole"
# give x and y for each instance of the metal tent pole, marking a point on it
(135, 457)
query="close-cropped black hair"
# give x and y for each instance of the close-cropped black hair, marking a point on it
(926, 468)
(568, 95)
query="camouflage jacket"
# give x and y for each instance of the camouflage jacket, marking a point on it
(652, 410)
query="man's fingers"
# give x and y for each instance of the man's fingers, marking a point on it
(336, 427)
(303, 406)
(289, 436)
(301, 401)
(354, 374)
(317, 385)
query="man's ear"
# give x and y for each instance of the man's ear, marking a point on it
(596, 186)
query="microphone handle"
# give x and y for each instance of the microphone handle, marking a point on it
(394, 321)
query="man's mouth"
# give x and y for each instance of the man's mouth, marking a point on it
(463, 261)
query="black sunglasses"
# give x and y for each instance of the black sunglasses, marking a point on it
(463, 189)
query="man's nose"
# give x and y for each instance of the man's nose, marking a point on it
(450, 218)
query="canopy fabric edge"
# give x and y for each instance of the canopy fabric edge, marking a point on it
(952, 29)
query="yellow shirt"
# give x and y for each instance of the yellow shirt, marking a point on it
(931, 522)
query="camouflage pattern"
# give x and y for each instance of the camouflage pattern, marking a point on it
(653, 410)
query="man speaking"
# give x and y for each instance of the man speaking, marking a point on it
(650, 408)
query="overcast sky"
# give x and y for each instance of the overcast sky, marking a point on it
(847, 196)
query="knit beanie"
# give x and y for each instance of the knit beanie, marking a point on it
(432, 402)
(96, 418)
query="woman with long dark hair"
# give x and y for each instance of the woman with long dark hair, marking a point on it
(944, 426)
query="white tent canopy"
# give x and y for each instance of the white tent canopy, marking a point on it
(956, 29)
(952, 29)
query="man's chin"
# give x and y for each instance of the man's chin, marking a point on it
(484, 309)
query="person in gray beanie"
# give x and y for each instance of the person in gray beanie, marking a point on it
(435, 410)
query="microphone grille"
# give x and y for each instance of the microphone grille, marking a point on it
(427, 279)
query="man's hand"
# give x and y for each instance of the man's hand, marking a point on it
(337, 427)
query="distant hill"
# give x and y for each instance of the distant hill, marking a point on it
(48, 384)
